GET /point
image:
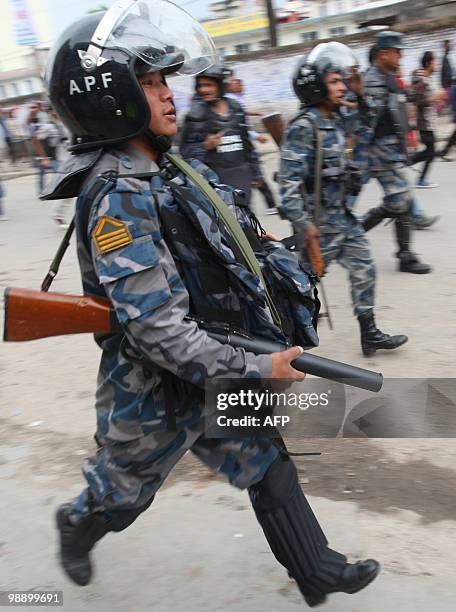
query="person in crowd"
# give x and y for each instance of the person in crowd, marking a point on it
(3, 216)
(6, 135)
(425, 100)
(235, 91)
(216, 132)
(148, 237)
(49, 141)
(446, 75)
(324, 213)
(382, 150)
(451, 142)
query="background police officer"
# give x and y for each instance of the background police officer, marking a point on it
(318, 83)
(216, 132)
(385, 151)
(109, 86)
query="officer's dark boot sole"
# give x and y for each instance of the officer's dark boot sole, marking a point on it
(316, 600)
(369, 349)
(414, 268)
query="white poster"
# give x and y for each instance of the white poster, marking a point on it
(24, 31)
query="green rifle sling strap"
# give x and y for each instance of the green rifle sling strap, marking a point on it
(318, 169)
(231, 224)
(317, 209)
(318, 142)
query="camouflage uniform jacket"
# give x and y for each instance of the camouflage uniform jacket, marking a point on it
(123, 255)
(384, 145)
(297, 170)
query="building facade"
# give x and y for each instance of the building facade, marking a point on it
(25, 36)
(235, 31)
(25, 83)
(307, 21)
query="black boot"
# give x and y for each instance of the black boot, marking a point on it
(76, 541)
(373, 217)
(297, 540)
(408, 261)
(373, 339)
(354, 577)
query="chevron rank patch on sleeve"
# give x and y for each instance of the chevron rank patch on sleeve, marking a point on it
(111, 234)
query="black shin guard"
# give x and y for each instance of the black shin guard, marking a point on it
(374, 216)
(403, 233)
(292, 530)
(121, 519)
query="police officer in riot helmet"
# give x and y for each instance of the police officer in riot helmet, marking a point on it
(216, 132)
(310, 82)
(107, 79)
(314, 153)
(384, 153)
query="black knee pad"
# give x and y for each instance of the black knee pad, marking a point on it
(277, 487)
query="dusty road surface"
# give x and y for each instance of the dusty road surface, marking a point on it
(199, 547)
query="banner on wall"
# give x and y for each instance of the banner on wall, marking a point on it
(234, 25)
(23, 28)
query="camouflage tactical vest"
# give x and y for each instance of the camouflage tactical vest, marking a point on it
(220, 285)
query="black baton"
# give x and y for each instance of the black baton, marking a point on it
(312, 364)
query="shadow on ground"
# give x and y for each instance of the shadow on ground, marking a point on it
(348, 470)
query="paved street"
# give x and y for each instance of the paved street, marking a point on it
(393, 499)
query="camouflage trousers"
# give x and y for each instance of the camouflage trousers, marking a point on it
(350, 248)
(391, 176)
(123, 477)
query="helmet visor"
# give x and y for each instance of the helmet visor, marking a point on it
(163, 36)
(333, 57)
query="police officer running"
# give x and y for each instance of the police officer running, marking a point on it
(319, 131)
(386, 149)
(216, 132)
(107, 81)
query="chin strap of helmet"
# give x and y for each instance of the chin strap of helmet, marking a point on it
(161, 144)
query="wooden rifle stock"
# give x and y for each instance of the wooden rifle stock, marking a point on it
(30, 315)
(274, 124)
(315, 257)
